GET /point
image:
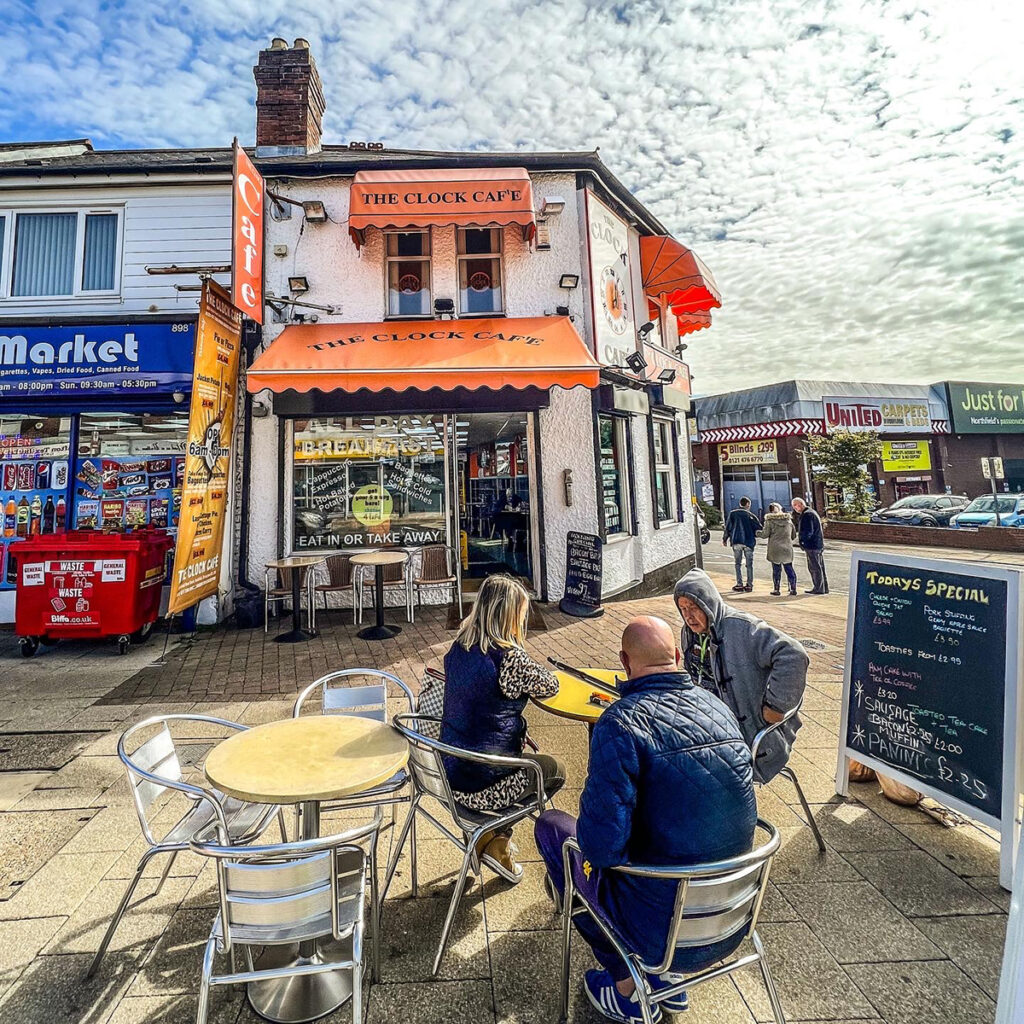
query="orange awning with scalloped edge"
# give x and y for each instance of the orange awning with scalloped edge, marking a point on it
(669, 269)
(534, 352)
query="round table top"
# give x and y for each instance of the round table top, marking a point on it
(380, 558)
(295, 561)
(317, 757)
(573, 697)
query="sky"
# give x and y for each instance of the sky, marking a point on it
(852, 171)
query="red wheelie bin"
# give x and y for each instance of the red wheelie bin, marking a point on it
(84, 584)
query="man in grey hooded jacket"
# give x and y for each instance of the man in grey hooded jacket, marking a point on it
(756, 669)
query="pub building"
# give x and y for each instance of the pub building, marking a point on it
(450, 355)
(97, 332)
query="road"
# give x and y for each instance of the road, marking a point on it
(837, 561)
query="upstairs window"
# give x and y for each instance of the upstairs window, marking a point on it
(479, 255)
(408, 273)
(65, 253)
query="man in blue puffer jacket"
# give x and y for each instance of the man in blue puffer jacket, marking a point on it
(669, 782)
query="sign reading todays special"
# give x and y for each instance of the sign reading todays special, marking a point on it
(211, 421)
(986, 408)
(884, 415)
(88, 359)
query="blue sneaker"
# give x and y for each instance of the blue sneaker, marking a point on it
(606, 1000)
(679, 1003)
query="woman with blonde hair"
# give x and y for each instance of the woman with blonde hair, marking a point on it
(489, 677)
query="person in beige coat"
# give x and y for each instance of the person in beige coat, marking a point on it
(779, 532)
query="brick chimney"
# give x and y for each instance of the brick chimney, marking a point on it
(289, 100)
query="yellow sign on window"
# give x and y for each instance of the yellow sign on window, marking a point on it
(748, 453)
(898, 456)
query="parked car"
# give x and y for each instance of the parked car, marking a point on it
(981, 511)
(921, 510)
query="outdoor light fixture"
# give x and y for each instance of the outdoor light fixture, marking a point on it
(644, 330)
(298, 285)
(561, 311)
(636, 362)
(444, 307)
(667, 376)
(682, 347)
(551, 205)
(569, 281)
(314, 211)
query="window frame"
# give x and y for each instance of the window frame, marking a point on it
(460, 257)
(627, 498)
(427, 258)
(10, 214)
(668, 466)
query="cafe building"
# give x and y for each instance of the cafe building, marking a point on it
(100, 254)
(470, 349)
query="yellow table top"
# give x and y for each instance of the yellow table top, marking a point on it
(380, 558)
(318, 757)
(295, 561)
(573, 697)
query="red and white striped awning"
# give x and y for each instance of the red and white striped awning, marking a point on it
(758, 431)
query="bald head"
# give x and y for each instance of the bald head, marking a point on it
(648, 647)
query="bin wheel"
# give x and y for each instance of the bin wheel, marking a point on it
(123, 643)
(49, 641)
(29, 645)
(142, 634)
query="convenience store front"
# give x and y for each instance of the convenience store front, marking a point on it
(408, 434)
(93, 423)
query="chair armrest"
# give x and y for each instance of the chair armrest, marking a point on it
(769, 729)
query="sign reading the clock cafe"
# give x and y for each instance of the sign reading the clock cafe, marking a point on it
(614, 323)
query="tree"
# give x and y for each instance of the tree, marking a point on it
(841, 459)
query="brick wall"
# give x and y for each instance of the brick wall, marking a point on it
(986, 538)
(289, 97)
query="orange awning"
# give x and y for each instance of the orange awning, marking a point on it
(668, 268)
(687, 323)
(457, 195)
(536, 352)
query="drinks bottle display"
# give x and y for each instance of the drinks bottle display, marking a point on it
(36, 515)
(42, 475)
(49, 514)
(23, 515)
(10, 517)
(10, 476)
(61, 517)
(59, 476)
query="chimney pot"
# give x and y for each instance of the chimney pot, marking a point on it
(277, 43)
(301, 44)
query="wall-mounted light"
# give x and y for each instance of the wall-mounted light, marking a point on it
(314, 211)
(636, 363)
(551, 205)
(260, 409)
(298, 285)
(644, 329)
(444, 308)
(569, 281)
(561, 310)
(667, 376)
(682, 347)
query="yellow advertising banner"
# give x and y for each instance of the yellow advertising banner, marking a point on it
(900, 455)
(748, 453)
(211, 422)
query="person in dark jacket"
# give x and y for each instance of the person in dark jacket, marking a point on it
(741, 532)
(489, 677)
(757, 670)
(669, 782)
(812, 541)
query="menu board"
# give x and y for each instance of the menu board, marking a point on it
(583, 560)
(930, 689)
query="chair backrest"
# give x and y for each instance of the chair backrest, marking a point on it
(435, 563)
(714, 901)
(339, 570)
(769, 729)
(338, 697)
(285, 576)
(394, 572)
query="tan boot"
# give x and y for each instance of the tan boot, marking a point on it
(500, 856)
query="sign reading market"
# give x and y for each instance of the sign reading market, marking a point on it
(883, 415)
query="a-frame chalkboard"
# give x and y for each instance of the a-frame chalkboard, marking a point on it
(931, 684)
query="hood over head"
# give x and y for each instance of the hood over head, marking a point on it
(776, 515)
(697, 586)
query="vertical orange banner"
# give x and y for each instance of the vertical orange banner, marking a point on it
(211, 421)
(247, 237)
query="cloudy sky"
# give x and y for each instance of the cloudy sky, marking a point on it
(851, 170)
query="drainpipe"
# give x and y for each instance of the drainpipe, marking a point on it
(251, 340)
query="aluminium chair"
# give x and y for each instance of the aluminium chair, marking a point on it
(435, 573)
(467, 826)
(714, 903)
(154, 771)
(281, 592)
(789, 773)
(341, 579)
(300, 892)
(370, 700)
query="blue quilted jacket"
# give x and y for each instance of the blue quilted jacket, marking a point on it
(669, 782)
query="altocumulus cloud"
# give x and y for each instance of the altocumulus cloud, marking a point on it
(850, 169)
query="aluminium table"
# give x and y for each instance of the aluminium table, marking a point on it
(378, 559)
(573, 698)
(296, 563)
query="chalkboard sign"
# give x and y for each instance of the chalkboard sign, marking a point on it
(582, 575)
(930, 691)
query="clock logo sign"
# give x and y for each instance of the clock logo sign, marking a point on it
(613, 298)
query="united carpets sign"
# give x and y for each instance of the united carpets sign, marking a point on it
(90, 359)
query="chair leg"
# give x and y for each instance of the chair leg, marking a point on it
(281, 825)
(166, 871)
(453, 907)
(357, 992)
(791, 775)
(399, 841)
(412, 860)
(203, 1007)
(119, 913)
(769, 984)
(374, 918)
(563, 1014)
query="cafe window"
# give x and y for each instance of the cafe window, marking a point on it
(63, 253)
(408, 273)
(664, 470)
(614, 475)
(366, 481)
(479, 256)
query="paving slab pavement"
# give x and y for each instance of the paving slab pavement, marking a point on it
(901, 921)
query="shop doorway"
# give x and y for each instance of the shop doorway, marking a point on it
(497, 525)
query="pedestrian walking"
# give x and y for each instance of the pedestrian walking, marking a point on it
(812, 541)
(779, 532)
(741, 532)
